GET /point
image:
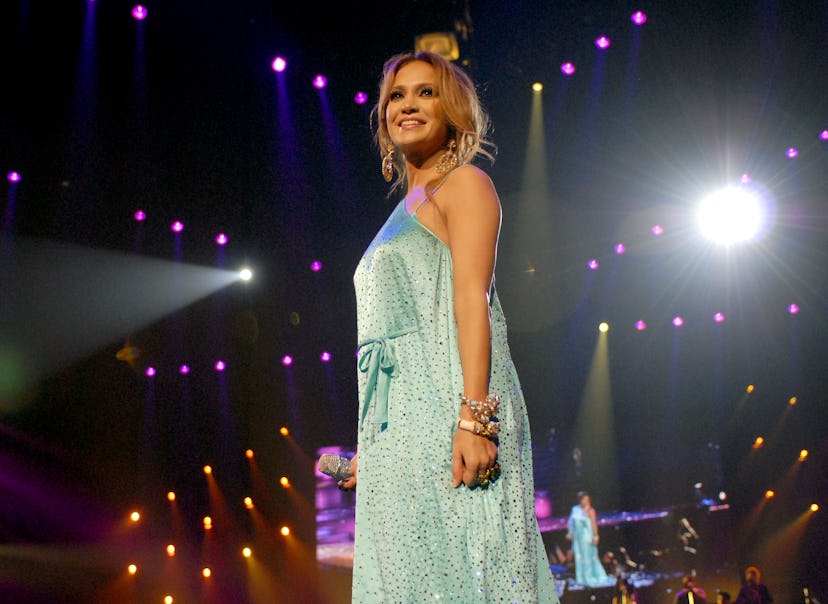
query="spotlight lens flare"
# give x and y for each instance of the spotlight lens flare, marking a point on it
(729, 216)
(278, 65)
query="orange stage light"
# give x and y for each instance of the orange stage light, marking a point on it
(170, 496)
(208, 470)
(803, 454)
(135, 516)
(758, 442)
(171, 550)
(249, 453)
(283, 431)
(248, 503)
(284, 481)
(132, 569)
(770, 494)
(285, 530)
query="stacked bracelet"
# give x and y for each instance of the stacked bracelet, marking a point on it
(485, 416)
(489, 429)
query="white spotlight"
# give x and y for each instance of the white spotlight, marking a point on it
(245, 274)
(731, 215)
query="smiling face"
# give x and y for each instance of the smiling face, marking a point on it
(415, 121)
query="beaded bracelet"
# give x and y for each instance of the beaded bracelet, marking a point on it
(489, 429)
(483, 411)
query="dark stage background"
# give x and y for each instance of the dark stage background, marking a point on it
(181, 116)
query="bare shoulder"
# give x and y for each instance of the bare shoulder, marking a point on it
(469, 188)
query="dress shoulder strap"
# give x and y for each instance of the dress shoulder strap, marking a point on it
(433, 190)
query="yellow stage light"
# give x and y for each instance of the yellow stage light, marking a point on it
(537, 86)
(132, 569)
(208, 470)
(249, 453)
(284, 481)
(171, 550)
(603, 327)
(208, 523)
(171, 496)
(803, 454)
(135, 516)
(758, 442)
(792, 401)
(248, 503)
(247, 552)
(770, 494)
(168, 599)
(285, 530)
(206, 572)
(283, 431)
(750, 388)
(814, 507)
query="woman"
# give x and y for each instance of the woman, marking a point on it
(583, 532)
(445, 498)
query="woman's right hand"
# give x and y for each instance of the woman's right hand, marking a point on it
(349, 484)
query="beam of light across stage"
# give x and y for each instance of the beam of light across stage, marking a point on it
(60, 302)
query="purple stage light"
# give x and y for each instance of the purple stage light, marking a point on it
(360, 98)
(793, 309)
(13, 177)
(639, 17)
(325, 357)
(149, 372)
(568, 69)
(640, 325)
(602, 42)
(593, 264)
(745, 179)
(220, 365)
(319, 82)
(140, 215)
(657, 230)
(184, 369)
(678, 321)
(792, 152)
(316, 266)
(278, 65)
(719, 317)
(221, 239)
(824, 135)
(177, 226)
(287, 360)
(139, 12)
(620, 248)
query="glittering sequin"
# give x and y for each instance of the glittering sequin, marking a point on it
(417, 538)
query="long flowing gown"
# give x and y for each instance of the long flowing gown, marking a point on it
(417, 538)
(588, 568)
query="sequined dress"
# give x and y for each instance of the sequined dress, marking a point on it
(417, 538)
(588, 568)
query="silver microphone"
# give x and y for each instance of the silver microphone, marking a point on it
(335, 466)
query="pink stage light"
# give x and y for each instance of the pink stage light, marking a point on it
(678, 321)
(793, 309)
(639, 17)
(744, 179)
(325, 357)
(640, 325)
(824, 135)
(278, 64)
(220, 365)
(360, 98)
(140, 216)
(319, 82)
(719, 317)
(620, 248)
(13, 177)
(316, 266)
(657, 230)
(568, 69)
(221, 239)
(184, 369)
(149, 372)
(139, 12)
(177, 226)
(287, 360)
(593, 264)
(602, 42)
(792, 152)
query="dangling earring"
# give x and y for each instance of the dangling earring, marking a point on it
(388, 164)
(449, 160)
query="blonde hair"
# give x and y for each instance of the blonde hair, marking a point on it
(468, 122)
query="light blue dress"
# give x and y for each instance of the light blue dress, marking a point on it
(588, 568)
(417, 538)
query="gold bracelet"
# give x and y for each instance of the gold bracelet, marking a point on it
(488, 430)
(483, 411)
